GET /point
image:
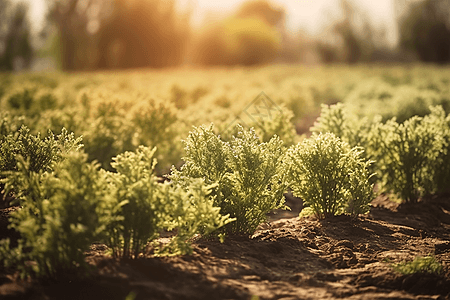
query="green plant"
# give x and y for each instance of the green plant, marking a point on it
(146, 207)
(329, 175)
(22, 98)
(440, 121)
(411, 158)
(338, 120)
(192, 212)
(408, 155)
(9, 124)
(248, 174)
(63, 213)
(426, 264)
(279, 124)
(266, 125)
(40, 153)
(141, 210)
(154, 125)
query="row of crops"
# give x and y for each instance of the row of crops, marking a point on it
(83, 154)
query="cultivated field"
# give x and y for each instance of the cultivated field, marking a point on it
(180, 184)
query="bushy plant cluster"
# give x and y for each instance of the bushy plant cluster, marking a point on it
(338, 120)
(265, 126)
(227, 184)
(247, 174)
(40, 153)
(117, 112)
(331, 177)
(427, 264)
(75, 204)
(375, 96)
(30, 100)
(146, 207)
(62, 213)
(411, 158)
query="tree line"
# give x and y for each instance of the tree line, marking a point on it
(110, 34)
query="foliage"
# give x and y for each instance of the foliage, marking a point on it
(146, 207)
(248, 37)
(154, 123)
(40, 153)
(408, 155)
(278, 123)
(108, 44)
(106, 137)
(192, 212)
(426, 264)
(377, 97)
(424, 29)
(330, 176)
(337, 120)
(440, 122)
(244, 35)
(248, 174)
(141, 210)
(63, 213)
(262, 9)
(15, 36)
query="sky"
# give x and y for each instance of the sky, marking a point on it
(309, 15)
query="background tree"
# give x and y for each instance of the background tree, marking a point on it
(143, 33)
(252, 35)
(352, 38)
(103, 34)
(424, 29)
(16, 50)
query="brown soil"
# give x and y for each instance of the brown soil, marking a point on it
(287, 258)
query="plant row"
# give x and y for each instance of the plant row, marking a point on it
(411, 158)
(225, 186)
(117, 112)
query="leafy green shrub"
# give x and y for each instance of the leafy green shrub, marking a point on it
(248, 174)
(21, 99)
(30, 100)
(106, 137)
(376, 97)
(357, 132)
(330, 176)
(427, 264)
(192, 212)
(411, 159)
(145, 207)
(136, 193)
(40, 153)
(155, 125)
(57, 119)
(407, 156)
(63, 213)
(279, 124)
(349, 128)
(440, 121)
(9, 124)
